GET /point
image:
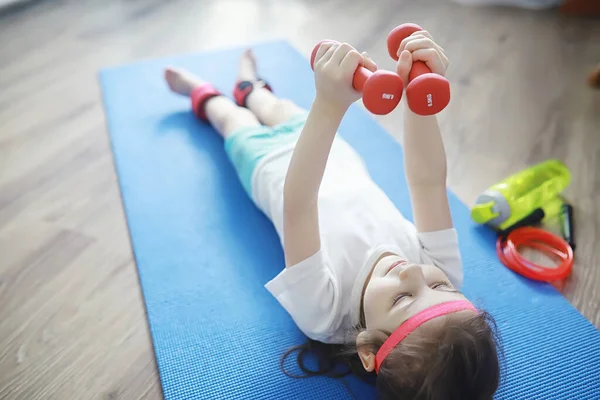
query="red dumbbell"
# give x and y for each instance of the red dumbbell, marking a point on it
(381, 90)
(426, 93)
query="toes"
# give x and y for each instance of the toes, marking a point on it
(172, 74)
(247, 67)
(169, 73)
(249, 55)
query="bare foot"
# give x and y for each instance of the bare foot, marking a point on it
(247, 70)
(181, 81)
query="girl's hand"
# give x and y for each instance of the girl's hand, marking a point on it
(334, 68)
(420, 47)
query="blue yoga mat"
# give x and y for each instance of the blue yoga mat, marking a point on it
(204, 251)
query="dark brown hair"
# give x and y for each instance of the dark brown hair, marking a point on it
(458, 359)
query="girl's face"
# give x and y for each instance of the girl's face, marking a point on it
(397, 290)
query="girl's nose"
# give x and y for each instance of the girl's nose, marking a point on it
(413, 273)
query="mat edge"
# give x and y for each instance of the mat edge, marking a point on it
(211, 49)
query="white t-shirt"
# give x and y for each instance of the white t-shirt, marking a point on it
(358, 223)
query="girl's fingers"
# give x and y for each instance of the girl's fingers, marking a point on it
(368, 63)
(432, 58)
(350, 62)
(325, 52)
(341, 52)
(421, 43)
(423, 33)
(445, 59)
(418, 35)
(404, 65)
(427, 44)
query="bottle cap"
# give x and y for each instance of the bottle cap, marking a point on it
(484, 212)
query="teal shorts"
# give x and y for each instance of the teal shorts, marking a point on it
(247, 146)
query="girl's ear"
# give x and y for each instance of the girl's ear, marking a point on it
(364, 347)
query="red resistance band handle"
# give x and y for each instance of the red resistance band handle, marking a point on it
(539, 239)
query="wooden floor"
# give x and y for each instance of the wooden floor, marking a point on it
(72, 323)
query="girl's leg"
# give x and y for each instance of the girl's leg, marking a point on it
(222, 113)
(269, 109)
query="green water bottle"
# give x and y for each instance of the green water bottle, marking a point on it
(534, 189)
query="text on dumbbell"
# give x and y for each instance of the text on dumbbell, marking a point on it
(387, 96)
(429, 100)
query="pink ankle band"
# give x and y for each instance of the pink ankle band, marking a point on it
(242, 90)
(414, 322)
(199, 95)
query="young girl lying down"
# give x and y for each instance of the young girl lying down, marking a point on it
(358, 274)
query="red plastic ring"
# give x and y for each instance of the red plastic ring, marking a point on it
(539, 239)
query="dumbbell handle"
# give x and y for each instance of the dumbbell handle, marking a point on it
(360, 78)
(418, 68)
(360, 75)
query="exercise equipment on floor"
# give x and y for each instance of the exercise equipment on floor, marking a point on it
(381, 90)
(522, 200)
(426, 93)
(204, 251)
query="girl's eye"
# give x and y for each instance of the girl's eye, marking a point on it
(398, 298)
(442, 285)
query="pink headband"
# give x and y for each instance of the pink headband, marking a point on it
(414, 322)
